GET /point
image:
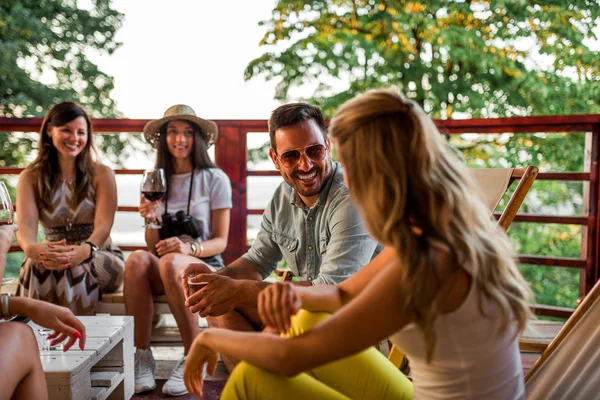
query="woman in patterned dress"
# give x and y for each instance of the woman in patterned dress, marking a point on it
(75, 199)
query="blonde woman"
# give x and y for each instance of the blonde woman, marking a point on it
(446, 289)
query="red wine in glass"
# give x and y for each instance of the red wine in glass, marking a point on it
(153, 187)
(153, 195)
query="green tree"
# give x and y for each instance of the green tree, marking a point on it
(487, 58)
(45, 59)
(482, 58)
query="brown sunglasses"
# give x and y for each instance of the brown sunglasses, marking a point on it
(291, 158)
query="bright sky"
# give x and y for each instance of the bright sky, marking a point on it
(192, 52)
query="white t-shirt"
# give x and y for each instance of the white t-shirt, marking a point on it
(211, 191)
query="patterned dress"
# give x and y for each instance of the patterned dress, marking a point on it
(79, 287)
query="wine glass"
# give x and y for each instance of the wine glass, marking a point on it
(7, 216)
(154, 186)
(7, 212)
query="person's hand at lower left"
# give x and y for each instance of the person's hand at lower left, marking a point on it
(198, 356)
(61, 320)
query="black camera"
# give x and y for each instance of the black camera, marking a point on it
(182, 224)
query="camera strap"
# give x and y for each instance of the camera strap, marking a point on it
(189, 196)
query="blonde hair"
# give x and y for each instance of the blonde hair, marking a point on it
(403, 175)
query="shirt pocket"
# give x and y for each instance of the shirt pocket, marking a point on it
(288, 246)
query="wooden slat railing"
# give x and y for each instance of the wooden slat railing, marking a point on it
(231, 156)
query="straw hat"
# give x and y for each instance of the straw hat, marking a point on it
(181, 112)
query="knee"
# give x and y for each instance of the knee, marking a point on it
(243, 373)
(171, 267)
(137, 265)
(19, 337)
(305, 320)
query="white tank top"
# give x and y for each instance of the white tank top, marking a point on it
(470, 360)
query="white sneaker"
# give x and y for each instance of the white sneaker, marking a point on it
(144, 371)
(174, 386)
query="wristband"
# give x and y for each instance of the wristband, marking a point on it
(93, 250)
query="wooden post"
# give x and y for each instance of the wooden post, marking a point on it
(590, 241)
(595, 255)
(231, 155)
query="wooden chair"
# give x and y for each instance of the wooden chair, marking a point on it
(493, 184)
(569, 367)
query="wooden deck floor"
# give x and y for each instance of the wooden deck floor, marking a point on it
(166, 357)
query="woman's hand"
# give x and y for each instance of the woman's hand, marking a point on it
(173, 245)
(198, 355)
(59, 319)
(276, 305)
(148, 209)
(58, 256)
(7, 236)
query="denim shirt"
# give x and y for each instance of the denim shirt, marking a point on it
(324, 244)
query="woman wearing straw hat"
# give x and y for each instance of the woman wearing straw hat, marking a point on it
(197, 191)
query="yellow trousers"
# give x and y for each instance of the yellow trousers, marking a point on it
(367, 375)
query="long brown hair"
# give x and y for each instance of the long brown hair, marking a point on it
(200, 157)
(402, 175)
(45, 168)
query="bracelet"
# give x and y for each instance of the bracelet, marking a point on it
(201, 250)
(194, 248)
(4, 301)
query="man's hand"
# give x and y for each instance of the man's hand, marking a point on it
(218, 297)
(276, 305)
(193, 269)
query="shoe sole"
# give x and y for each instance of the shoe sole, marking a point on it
(144, 390)
(167, 393)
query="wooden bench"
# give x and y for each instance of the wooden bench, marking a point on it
(168, 335)
(114, 304)
(103, 370)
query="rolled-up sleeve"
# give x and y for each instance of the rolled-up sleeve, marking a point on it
(264, 253)
(350, 247)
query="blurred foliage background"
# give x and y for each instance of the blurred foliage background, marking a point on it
(459, 59)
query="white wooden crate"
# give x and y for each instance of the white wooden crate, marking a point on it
(108, 350)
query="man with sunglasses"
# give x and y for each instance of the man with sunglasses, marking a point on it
(310, 223)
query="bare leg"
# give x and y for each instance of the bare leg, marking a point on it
(20, 366)
(141, 280)
(171, 268)
(238, 320)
